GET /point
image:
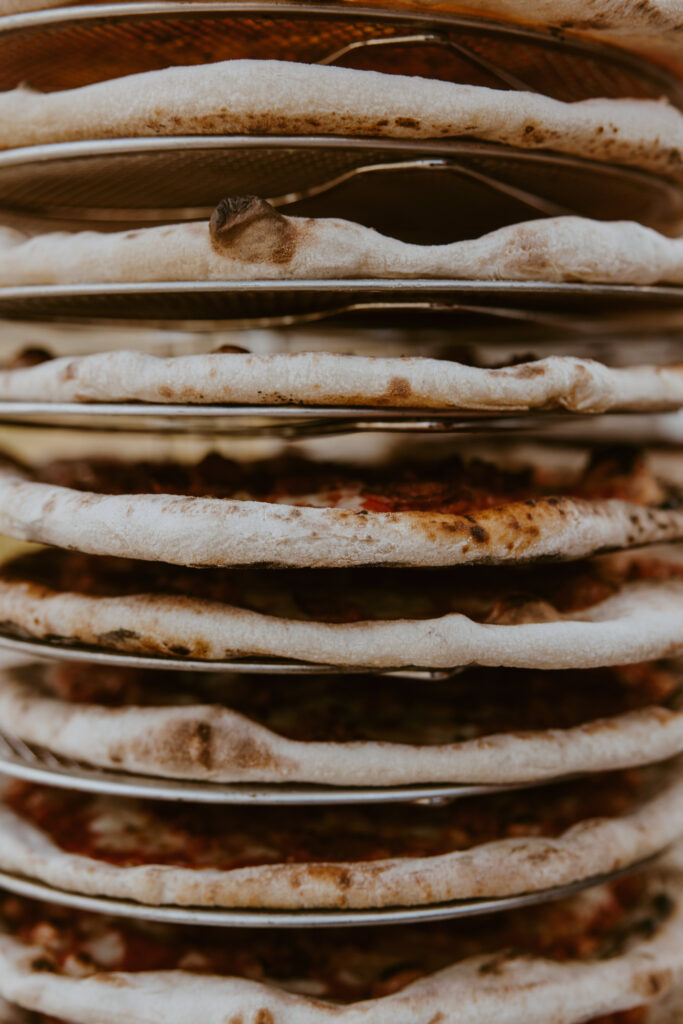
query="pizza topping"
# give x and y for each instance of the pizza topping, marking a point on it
(620, 472)
(345, 595)
(520, 609)
(450, 486)
(339, 965)
(475, 703)
(130, 832)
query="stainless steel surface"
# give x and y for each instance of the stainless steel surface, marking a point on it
(288, 302)
(422, 190)
(24, 761)
(296, 918)
(301, 421)
(43, 650)
(283, 420)
(72, 46)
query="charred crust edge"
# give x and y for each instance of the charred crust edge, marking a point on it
(251, 229)
(235, 214)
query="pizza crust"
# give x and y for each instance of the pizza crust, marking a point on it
(198, 531)
(643, 621)
(252, 97)
(526, 989)
(503, 987)
(664, 1011)
(215, 744)
(274, 247)
(532, 991)
(503, 867)
(326, 378)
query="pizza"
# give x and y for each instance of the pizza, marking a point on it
(293, 511)
(233, 374)
(607, 954)
(484, 726)
(613, 611)
(249, 240)
(359, 856)
(273, 97)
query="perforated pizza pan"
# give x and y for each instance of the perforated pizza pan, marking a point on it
(73, 46)
(424, 191)
(299, 918)
(259, 303)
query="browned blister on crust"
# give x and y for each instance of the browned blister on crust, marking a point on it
(251, 227)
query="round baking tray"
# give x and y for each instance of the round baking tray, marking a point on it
(290, 302)
(280, 420)
(25, 761)
(45, 650)
(250, 420)
(298, 918)
(73, 46)
(428, 191)
(302, 421)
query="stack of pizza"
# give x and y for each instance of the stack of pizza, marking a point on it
(341, 727)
